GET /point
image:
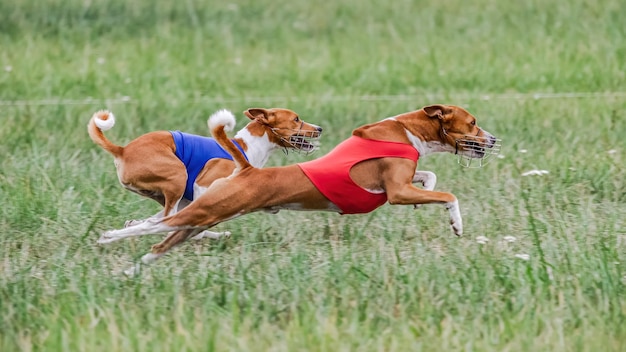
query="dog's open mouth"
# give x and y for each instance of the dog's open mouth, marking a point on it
(476, 151)
(303, 141)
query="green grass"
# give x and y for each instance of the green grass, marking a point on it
(395, 279)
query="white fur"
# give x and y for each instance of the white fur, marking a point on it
(426, 148)
(212, 235)
(151, 226)
(428, 179)
(456, 222)
(259, 148)
(423, 147)
(222, 118)
(104, 124)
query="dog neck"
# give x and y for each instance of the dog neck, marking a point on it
(424, 137)
(257, 146)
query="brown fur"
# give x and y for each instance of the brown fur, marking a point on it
(431, 129)
(148, 164)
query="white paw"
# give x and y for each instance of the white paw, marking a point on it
(456, 222)
(133, 271)
(457, 228)
(129, 223)
(212, 235)
(105, 239)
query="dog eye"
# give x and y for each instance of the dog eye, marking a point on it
(473, 123)
(297, 119)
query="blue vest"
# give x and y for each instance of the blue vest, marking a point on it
(194, 151)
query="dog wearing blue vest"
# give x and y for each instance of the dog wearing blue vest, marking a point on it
(174, 168)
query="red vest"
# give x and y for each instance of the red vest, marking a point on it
(331, 173)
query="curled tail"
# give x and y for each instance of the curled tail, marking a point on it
(219, 123)
(101, 121)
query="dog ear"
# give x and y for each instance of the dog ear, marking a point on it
(257, 114)
(437, 111)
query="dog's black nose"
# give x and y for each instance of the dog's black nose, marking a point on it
(319, 129)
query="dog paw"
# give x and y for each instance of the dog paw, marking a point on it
(133, 271)
(457, 229)
(129, 223)
(105, 239)
(456, 222)
(212, 235)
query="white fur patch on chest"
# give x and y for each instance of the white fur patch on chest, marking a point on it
(259, 147)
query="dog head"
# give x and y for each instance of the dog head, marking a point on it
(286, 129)
(458, 129)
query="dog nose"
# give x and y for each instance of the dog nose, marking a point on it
(319, 129)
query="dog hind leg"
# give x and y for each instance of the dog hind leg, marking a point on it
(211, 234)
(145, 228)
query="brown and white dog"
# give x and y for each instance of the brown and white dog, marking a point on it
(384, 169)
(152, 166)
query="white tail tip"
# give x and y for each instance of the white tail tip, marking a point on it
(222, 118)
(104, 119)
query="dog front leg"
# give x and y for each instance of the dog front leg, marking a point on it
(409, 194)
(174, 239)
(427, 179)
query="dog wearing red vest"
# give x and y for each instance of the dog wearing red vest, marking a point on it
(377, 164)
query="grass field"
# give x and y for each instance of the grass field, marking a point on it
(393, 280)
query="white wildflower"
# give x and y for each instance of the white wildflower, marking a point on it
(535, 172)
(482, 239)
(612, 151)
(510, 239)
(523, 151)
(550, 274)
(8, 68)
(100, 61)
(500, 156)
(522, 256)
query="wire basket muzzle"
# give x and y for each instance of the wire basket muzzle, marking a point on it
(475, 152)
(302, 142)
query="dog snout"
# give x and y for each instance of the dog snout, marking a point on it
(317, 131)
(491, 139)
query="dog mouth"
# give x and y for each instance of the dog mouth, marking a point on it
(476, 151)
(304, 141)
(300, 141)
